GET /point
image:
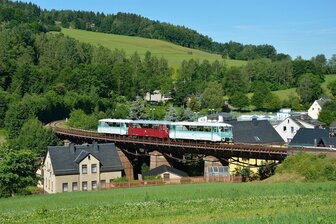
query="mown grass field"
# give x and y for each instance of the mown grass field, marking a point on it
(198, 203)
(175, 54)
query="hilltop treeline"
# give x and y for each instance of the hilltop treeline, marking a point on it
(131, 25)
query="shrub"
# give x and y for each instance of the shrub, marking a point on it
(120, 179)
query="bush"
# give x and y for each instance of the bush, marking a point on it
(309, 166)
(266, 171)
(32, 190)
(120, 179)
(152, 178)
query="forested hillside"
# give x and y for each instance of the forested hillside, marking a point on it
(132, 25)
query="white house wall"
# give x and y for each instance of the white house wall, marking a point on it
(291, 129)
(314, 110)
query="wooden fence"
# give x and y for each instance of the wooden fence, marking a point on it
(183, 180)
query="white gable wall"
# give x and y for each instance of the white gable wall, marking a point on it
(314, 110)
(287, 129)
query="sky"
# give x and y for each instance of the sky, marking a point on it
(295, 27)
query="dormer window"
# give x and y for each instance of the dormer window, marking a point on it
(84, 169)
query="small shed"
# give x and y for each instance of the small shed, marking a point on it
(166, 172)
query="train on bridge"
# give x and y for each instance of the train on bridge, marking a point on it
(198, 131)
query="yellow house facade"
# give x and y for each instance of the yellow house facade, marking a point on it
(80, 167)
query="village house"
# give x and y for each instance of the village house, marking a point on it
(316, 107)
(288, 128)
(80, 167)
(156, 97)
(307, 137)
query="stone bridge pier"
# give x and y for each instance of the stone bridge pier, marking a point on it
(157, 159)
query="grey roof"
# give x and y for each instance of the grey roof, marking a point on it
(307, 136)
(327, 142)
(66, 161)
(322, 101)
(164, 168)
(307, 119)
(255, 132)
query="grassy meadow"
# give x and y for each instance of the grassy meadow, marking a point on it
(2, 135)
(286, 93)
(324, 85)
(175, 54)
(197, 203)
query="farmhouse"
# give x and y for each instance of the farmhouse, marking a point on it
(80, 167)
(316, 107)
(288, 128)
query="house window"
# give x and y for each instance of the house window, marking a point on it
(94, 168)
(284, 128)
(292, 129)
(65, 187)
(288, 121)
(166, 176)
(84, 186)
(84, 169)
(94, 185)
(74, 186)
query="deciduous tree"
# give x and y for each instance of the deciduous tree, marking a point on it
(17, 171)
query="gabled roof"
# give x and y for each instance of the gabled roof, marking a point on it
(322, 101)
(307, 136)
(65, 160)
(164, 168)
(307, 119)
(327, 142)
(255, 132)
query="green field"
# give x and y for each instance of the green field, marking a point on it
(282, 94)
(175, 54)
(328, 79)
(286, 93)
(198, 203)
(2, 136)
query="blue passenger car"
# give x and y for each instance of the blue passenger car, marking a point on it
(113, 126)
(201, 131)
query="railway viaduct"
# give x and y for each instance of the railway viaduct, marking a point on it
(167, 151)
